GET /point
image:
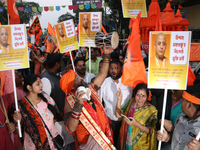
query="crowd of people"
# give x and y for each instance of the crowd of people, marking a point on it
(115, 116)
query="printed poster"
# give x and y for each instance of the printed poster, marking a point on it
(169, 59)
(89, 25)
(131, 8)
(66, 36)
(13, 47)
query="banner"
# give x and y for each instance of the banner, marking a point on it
(78, 2)
(131, 8)
(89, 25)
(169, 59)
(66, 36)
(13, 47)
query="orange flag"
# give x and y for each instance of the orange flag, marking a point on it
(134, 70)
(180, 7)
(191, 77)
(35, 29)
(130, 23)
(32, 46)
(52, 45)
(12, 11)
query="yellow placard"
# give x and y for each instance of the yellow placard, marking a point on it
(89, 25)
(169, 59)
(131, 8)
(66, 36)
(13, 47)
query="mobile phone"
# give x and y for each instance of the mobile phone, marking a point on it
(125, 117)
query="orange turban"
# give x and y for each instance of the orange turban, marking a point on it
(67, 81)
(191, 98)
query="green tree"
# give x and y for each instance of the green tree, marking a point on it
(26, 16)
(67, 16)
(3, 15)
(116, 14)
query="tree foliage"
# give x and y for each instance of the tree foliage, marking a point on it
(67, 16)
(116, 14)
(26, 16)
(3, 15)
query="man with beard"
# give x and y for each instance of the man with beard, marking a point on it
(86, 119)
(51, 82)
(80, 68)
(108, 95)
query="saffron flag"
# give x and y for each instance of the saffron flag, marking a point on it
(32, 46)
(134, 70)
(191, 77)
(35, 29)
(180, 7)
(52, 44)
(12, 11)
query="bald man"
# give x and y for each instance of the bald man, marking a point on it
(60, 29)
(4, 46)
(160, 45)
(85, 21)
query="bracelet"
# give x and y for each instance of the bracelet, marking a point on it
(77, 107)
(75, 117)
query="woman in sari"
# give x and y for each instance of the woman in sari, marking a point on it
(35, 135)
(138, 132)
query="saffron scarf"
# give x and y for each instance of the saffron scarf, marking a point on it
(33, 125)
(90, 116)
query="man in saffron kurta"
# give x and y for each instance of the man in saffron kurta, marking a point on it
(87, 120)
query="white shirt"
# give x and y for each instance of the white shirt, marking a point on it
(108, 93)
(86, 78)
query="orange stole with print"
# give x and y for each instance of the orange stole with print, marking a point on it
(94, 126)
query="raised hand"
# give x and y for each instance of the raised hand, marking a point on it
(79, 95)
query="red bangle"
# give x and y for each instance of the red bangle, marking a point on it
(74, 117)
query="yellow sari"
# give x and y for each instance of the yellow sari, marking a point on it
(131, 138)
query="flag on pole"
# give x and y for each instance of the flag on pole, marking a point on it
(52, 44)
(180, 7)
(12, 11)
(134, 70)
(35, 29)
(191, 77)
